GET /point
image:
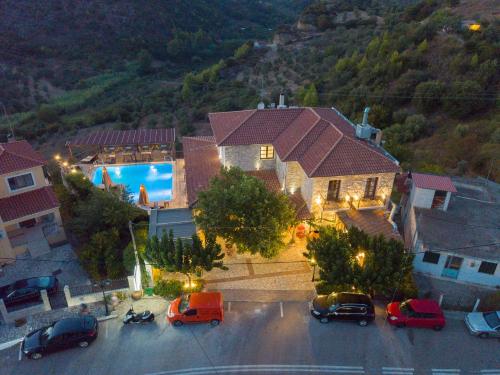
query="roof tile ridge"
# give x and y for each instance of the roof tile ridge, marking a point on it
(306, 133)
(252, 112)
(331, 123)
(239, 110)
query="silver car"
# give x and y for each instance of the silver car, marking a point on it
(485, 324)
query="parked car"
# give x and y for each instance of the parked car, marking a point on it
(422, 313)
(484, 324)
(201, 307)
(26, 290)
(343, 306)
(63, 334)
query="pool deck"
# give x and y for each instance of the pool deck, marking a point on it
(179, 195)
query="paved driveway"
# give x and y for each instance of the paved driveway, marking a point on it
(268, 338)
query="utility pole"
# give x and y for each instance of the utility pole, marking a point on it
(137, 264)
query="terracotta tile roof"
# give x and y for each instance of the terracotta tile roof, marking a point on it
(296, 131)
(29, 203)
(125, 137)
(262, 126)
(300, 206)
(201, 164)
(268, 177)
(372, 222)
(433, 182)
(317, 138)
(19, 155)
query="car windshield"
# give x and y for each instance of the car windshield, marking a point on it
(46, 333)
(492, 319)
(405, 308)
(41, 282)
(332, 299)
(184, 304)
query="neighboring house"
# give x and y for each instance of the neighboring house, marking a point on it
(328, 166)
(29, 210)
(452, 226)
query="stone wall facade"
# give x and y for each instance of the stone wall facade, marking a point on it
(354, 186)
(245, 157)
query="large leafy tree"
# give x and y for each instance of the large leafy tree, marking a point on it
(372, 264)
(240, 209)
(187, 257)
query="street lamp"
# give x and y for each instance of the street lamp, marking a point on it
(103, 284)
(313, 262)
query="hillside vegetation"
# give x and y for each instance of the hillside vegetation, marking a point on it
(431, 83)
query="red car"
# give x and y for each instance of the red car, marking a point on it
(422, 313)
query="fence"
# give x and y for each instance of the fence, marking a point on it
(91, 293)
(15, 314)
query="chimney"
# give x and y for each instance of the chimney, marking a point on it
(261, 105)
(282, 101)
(365, 116)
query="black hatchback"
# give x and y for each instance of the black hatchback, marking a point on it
(63, 334)
(343, 306)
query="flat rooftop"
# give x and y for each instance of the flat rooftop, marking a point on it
(470, 226)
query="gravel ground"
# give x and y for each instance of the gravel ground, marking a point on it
(10, 332)
(61, 260)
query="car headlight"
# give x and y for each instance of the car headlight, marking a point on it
(393, 318)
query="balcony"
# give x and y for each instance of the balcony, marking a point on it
(364, 203)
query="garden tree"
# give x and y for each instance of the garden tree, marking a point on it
(243, 51)
(101, 257)
(187, 257)
(354, 259)
(240, 209)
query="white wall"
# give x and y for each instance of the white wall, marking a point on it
(421, 197)
(468, 271)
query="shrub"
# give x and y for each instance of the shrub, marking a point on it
(428, 95)
(47, 115)
(491, 302)
(168, 288)
(464, 99)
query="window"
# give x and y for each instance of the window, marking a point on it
(431, 257)
(21, 181)
(333, 190)
(267, 152)
(371, 187)
(191, 312)
(488, 267)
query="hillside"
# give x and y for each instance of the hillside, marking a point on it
(431, 83)
(50, 45)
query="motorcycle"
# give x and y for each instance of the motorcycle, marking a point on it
(132, 317)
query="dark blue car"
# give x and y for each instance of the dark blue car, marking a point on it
(27, 290)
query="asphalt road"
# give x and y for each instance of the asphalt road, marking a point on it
(272, 338)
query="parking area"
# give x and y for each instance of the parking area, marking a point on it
(268, 337)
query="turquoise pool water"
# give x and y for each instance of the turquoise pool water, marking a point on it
(157, 178)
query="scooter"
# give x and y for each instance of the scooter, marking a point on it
(143, 317)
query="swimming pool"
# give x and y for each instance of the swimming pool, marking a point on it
(157, 178)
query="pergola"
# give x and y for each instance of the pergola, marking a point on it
(128, 142)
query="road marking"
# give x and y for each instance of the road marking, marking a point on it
(106, 330)
(445, 371)
(491, 371)
(281, 309)
(397, 370)
(20, 353)
(266, 368)
(229, 306)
